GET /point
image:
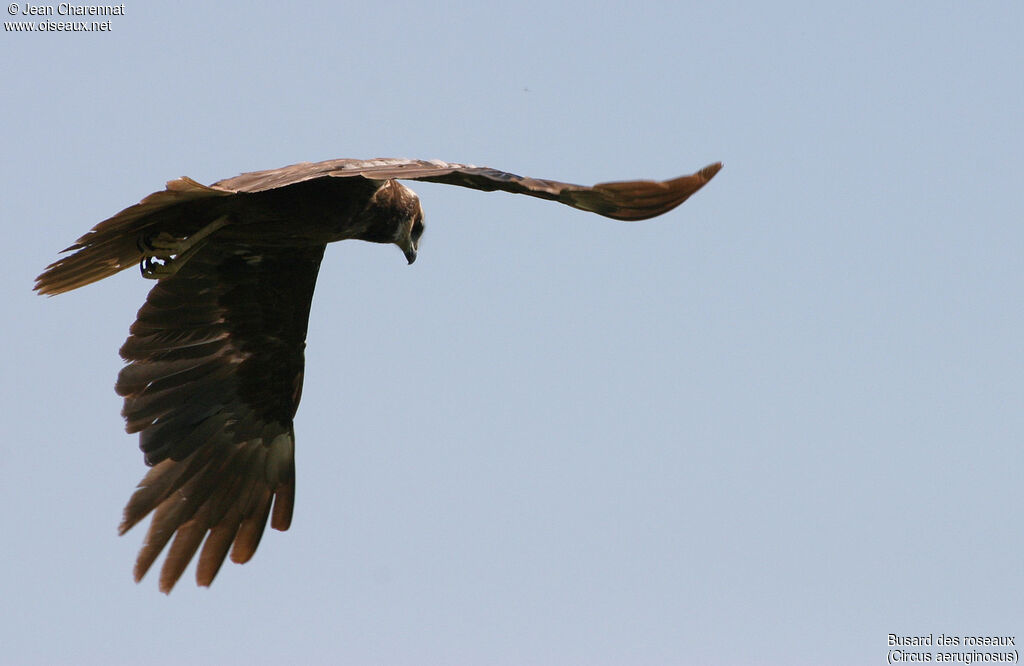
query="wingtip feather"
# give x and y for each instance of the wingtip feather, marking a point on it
(708, 172)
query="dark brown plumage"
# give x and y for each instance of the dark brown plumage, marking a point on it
(215, 356)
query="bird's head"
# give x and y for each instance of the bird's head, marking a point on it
(394, 215)
(411, 230)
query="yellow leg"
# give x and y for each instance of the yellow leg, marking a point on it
(164, 255)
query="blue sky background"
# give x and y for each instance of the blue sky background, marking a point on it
(770, 427)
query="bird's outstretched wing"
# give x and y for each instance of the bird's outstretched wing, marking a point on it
(214, 375)
(623, 200)
(111, 246)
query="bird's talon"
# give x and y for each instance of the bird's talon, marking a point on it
(154, 268)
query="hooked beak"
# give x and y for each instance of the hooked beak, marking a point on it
(410, 255)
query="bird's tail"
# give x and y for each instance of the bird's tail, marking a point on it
(113, 245)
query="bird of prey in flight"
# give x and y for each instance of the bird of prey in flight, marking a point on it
(215, 357)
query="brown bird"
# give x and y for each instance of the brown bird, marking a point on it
(215, 356)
